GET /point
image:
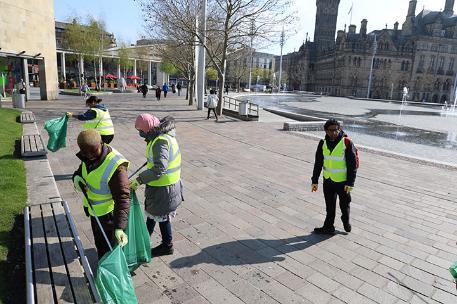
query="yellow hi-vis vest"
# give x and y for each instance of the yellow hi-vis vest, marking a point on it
(335, 162)
(97, 183)
(173, 173)
(102, 122)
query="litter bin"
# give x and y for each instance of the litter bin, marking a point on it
(19, 100)
(243, 108)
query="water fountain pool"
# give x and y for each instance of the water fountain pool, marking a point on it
(406, 128)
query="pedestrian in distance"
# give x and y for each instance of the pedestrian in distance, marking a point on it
(179, 87)
(158, 93)
(97, 117)
(212, 102)
(144, 89)
(165, 90)
(337, 156)
(226, 89)
(22, 87)
(102, 176)
(163, 193)
(85, 90)
(173, 88)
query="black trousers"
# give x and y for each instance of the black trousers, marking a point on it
(333, 190)
(108, 226)
(214, 111)
(165, 230)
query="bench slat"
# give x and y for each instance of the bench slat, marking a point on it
(27, 117)
(77, 277)
(42, 276)
(59, 272)
(32, 145)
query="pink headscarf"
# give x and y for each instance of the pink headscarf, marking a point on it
(146, 122)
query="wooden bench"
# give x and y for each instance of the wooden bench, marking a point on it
(57, 269)
(27, 117)
(32, 145)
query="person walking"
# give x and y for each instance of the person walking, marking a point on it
(212, 102)
(85, 90)
(226, 89)
(165, 90)
(158, 93)
(173, 88)
(98, 118)
(102, 176)
(179, 87)
(337, 156)
(144, 89)
(162, 177)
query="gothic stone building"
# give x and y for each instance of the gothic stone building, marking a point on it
(421, 55)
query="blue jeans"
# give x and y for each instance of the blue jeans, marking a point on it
(165, 230)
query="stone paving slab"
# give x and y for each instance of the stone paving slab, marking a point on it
(243, 235)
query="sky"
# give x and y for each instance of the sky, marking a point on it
(123, 17)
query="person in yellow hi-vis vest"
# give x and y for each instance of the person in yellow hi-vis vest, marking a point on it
(103, 177)
(337, 156)
(162, 177)
(98, 118)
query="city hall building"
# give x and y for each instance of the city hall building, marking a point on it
(421, 55)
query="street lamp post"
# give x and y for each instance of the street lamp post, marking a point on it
(281, 43)
(201, 56)
(375, 47)
(251, 34)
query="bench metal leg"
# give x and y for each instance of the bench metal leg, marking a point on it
(79, 246)
(28, 258)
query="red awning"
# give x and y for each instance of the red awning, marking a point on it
(133, 77)
(110, 76)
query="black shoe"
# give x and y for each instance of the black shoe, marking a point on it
(347, 227)
(324, 230)
(162, 249)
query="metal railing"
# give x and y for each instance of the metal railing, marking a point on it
(231, 103)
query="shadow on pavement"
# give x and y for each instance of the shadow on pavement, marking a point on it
(251, 251)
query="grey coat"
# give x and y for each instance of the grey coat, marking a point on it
(161, 200)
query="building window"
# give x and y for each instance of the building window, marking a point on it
(407, 66)
(451, 64)
(432, 63)
(441, 66)
(421, 62)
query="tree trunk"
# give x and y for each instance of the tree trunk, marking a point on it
(191, 86)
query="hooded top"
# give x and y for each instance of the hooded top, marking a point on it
(349, 153)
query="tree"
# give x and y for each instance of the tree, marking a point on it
(143, 54)
(168, 67)
(211, 74)
(182, 56)
(72, 38)
(124, 62)
(229, 25)
(88, 40)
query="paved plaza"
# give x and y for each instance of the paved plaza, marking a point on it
(243, 234)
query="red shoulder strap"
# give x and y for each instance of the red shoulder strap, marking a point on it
(347, 141)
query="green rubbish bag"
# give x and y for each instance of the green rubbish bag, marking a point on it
(138, 249)
(57, 130)
(113, 281)
(453, 270)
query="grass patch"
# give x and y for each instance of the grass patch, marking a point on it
(13, 196)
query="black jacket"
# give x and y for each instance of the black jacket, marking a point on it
(350, 154)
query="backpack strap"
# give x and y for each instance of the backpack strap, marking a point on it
(347, 141)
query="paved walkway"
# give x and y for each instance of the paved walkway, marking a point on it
(243, 235)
